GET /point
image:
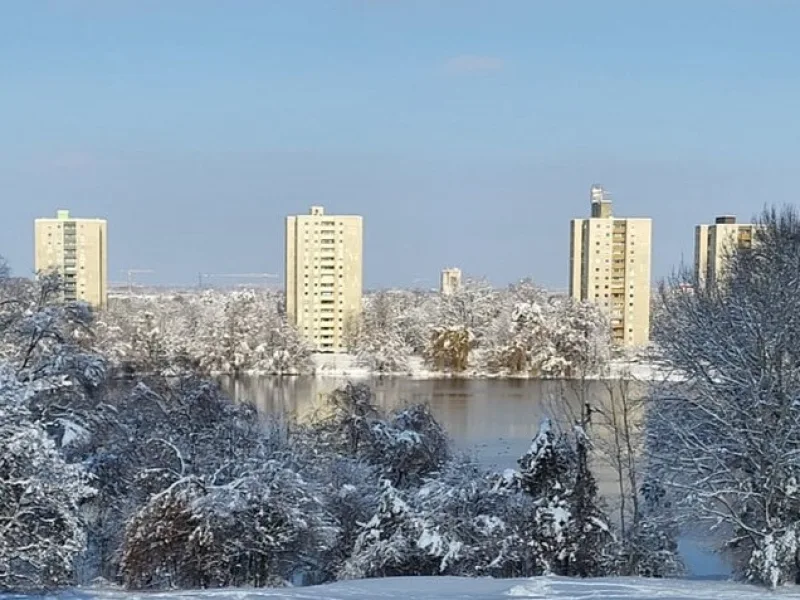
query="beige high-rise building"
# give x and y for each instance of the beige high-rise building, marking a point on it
(450, 281)
(610, 266)
(324, 271)
(714, 243)
(77, 250)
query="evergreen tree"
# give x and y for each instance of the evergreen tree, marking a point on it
(571, 534)
(589, 533)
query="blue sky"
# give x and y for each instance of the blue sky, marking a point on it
(466, 132)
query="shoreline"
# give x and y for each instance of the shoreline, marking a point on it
(344, 366)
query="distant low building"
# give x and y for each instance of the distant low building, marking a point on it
(323, 275)
(450, 281)
(610, 266)
(713, 244)
(77, 250)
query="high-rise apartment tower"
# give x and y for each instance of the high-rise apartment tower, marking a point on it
(323, 275)
(714, 243)
(610, 266)
(77, 250)
(450, 281)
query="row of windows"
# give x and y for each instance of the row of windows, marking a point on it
(326, 319)
(324, 293)
(67, 226)
(317, 240)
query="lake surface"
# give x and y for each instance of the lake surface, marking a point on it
(492, 419)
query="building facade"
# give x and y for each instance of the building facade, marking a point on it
(324, 274)
(610, 266)
(714, 243)
(450, 281)
(77, 249)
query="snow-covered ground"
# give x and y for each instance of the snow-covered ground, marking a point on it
(451, 588)
(338, 365)
(346, 366)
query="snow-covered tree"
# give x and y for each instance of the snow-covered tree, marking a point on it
(42, 337)
(723, 441)
(387, 544)
(474, 527)
(154, 435)
(416, 319)
(409, 445)
(41, 532)
(405, 446)
(582, 337)
(257, 529)
(472, 308)
(449, 348)
(462, 323)
(343, 424)
(589, 533)
(649, 548)
(351, 489)
(546, 472)
(529, 345)
(573, 533)
(210, 332)
(378, 342)
(519, 330)
(546, 337)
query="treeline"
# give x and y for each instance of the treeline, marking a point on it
(206, 332)
(518, 330)
(480, 330)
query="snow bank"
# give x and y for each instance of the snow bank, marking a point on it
(450, 588)
(338, 365)
(345, 366)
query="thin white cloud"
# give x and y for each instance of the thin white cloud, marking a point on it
(470, 64)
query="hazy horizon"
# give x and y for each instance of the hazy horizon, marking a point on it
(467, 133)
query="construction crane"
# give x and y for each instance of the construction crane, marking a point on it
(203, 276)
(131, 272)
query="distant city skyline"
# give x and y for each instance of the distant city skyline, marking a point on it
(464, 132)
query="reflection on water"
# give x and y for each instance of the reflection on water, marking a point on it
(494, 419)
